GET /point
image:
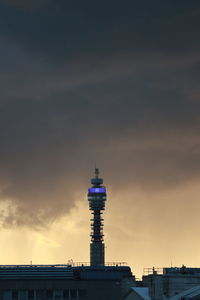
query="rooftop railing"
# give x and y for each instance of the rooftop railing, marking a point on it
(67, 265)
(149, 271)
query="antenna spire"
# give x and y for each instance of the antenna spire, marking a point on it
(97, 172)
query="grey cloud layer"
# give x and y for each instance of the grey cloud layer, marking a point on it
(84, 85)
(28, 5)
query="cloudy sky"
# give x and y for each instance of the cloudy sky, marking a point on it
(111, 83)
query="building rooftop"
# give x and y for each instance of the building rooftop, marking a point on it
(65, 271)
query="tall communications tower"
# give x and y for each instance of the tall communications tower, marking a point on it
(97, 198)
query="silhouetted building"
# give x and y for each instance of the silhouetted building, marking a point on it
(95, 281)
(171, 281)
(137, 293)
(61, 282)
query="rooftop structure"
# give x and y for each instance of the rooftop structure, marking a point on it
(137, 293)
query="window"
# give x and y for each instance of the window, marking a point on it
(82, 293)
(6, 294)
(49, 294)
(58, 294)
(22, 295)
(65, 294)
(39, 294)
(73, 294)
(14, 295)
(31, 294)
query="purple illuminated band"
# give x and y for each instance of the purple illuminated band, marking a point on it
(97, 190)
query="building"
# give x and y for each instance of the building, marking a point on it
(61, 282)
(190, 294)
(95, 281)
(169, 282)
(137, 293)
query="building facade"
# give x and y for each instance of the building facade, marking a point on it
(171, 282)
(62, 282)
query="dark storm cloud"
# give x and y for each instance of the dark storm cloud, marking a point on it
(107, 83)
(28, 5)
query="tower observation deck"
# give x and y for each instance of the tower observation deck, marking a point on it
(97, 198)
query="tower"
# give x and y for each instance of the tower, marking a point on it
(97, 198)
